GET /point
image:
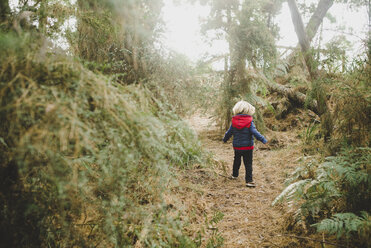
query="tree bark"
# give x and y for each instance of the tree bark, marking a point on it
(313, 24)
(4, 10)
(317, 18)
(299, 25)
(302, 36)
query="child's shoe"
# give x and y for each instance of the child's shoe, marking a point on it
(250, 185)
(233, 177)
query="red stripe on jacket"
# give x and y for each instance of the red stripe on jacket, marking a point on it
(244, 148)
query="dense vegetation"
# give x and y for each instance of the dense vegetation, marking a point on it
(91, 138)
(332, 192)
(89, 141)
(82, 152)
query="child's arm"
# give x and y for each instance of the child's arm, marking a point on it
(257, 135)
(228, 134)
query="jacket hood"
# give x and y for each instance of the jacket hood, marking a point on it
(241, 121)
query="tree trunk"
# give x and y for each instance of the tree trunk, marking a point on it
(302, 36)
(313, 24)
(317, 18)
(4, 10)
(299, 25)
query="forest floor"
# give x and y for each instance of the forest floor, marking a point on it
(249, 218)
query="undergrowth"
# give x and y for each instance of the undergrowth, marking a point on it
(85, 160)
(330, 191)
(333, 195)
(344, 108)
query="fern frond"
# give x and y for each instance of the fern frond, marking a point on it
(305, 171)
(346, 224)
(290, 191)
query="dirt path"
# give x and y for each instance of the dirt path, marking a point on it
(249, 219)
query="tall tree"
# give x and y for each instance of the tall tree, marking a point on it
(302, 36)
(306, 35)
(247, 27)
(317, 18)
(4, 10)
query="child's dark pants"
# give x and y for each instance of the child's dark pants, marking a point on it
(247, 160)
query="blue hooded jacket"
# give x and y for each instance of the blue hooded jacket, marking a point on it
(243, 131)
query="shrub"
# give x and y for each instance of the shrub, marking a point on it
(85, 160)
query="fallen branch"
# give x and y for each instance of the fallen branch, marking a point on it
(294, 96)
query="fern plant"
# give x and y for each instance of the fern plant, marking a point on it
(216, 239)
(323, 193)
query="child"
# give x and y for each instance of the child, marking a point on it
(243, 130)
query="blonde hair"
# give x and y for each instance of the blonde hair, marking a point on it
(243, 107)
